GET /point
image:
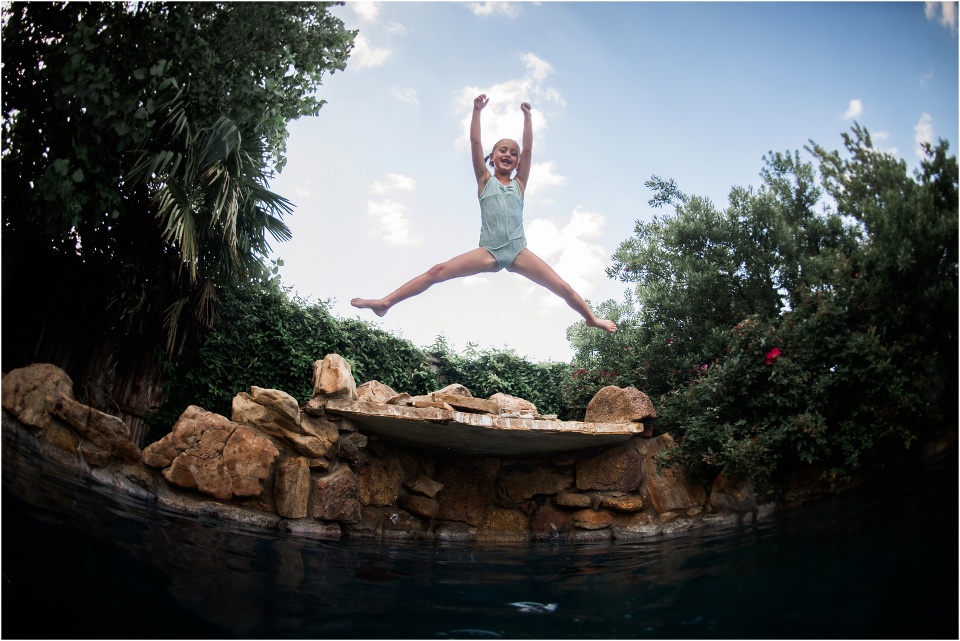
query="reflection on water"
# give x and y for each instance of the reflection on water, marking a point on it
(877, 565)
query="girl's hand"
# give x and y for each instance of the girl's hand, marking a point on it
(525, 108)
(480, 102)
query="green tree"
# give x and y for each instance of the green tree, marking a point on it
(138, 143)
(800, 337)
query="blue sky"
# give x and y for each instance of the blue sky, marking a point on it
(699, 92)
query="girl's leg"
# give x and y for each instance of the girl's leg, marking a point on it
(536, 269)
(473, 262)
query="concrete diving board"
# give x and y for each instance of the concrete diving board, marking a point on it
(472, 433)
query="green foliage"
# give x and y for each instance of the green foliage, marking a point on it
(265, 338)
(489, 371)
(139, 138)
(774, 336)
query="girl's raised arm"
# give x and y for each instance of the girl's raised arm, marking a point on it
(476, 147)
(526, 146)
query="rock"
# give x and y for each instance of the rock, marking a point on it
(399, 399)
(526, 481)
(502, 526)
(292, 488)
(209, 453)
(572, 499)
(332, 378)
(424, 485)
(627, 503)
(109, 432)
(509, 404)
(380, 482)
(353, 448)
(375, 392)
(465, 403)
(336, 496)
(467, 491)
(31, 392)
(549, 523)
(668, 488)
(667, 516)
(281, 419)
(619, 405)
(454, 532)
(432, 403)
(592, 519)
(638, 526)
(420, 505)
(582, 537)
(617, 468)
(455, 388)
(732, 494)
(398, 524)
(284, 407)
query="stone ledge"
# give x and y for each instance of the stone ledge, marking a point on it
(470, 433)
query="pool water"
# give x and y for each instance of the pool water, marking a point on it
(877, 562)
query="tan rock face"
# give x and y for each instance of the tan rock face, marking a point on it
(592, 520)
(31, 392)
(467, 491)
(420, 505)
(615, 469)
(276, 414)
(508, 403)
(424, 485)
(109, 432)
(292, 488)
(501, 525)
(335, 496)
(619, 405)
(548, 523)
(669, 489)
(375, 392)
(209, 453)
(332, 378)
(380, 482)
(526, 481)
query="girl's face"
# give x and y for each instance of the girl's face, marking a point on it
(506, 156)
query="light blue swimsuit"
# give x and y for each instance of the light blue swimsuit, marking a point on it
(501, 221)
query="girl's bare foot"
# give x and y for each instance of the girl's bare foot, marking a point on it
(603, 324)
(378, 306)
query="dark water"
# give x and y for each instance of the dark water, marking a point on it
(878, 563)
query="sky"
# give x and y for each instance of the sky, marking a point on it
(383, 185)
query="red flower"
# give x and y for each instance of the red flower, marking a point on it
(771, 356)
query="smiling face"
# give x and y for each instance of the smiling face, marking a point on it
(505, 156)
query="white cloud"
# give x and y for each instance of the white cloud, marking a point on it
(879, 138)
(365, 55)
(396, 28)
(854, 110)
(502, 117)
(508, 9)
(571, 250)
(392, 184)
(390, 223)
(407, 96)
(542, 176)
(923, 132)
(389, 220)
(366, 11)
(947, 11)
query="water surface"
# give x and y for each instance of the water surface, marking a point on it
(873, 563)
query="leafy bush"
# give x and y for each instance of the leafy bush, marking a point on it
(860, 359)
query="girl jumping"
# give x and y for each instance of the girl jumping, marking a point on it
(502, 242)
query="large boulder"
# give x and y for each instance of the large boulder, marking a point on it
(617, 468)
(292, 488)
(668, 487)
(332, 378)
(212, 454)
(336, 496)
(30, 393)
(522, 482)
(467, 491)
(277, 415)
(375, 392)
(614, 404)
